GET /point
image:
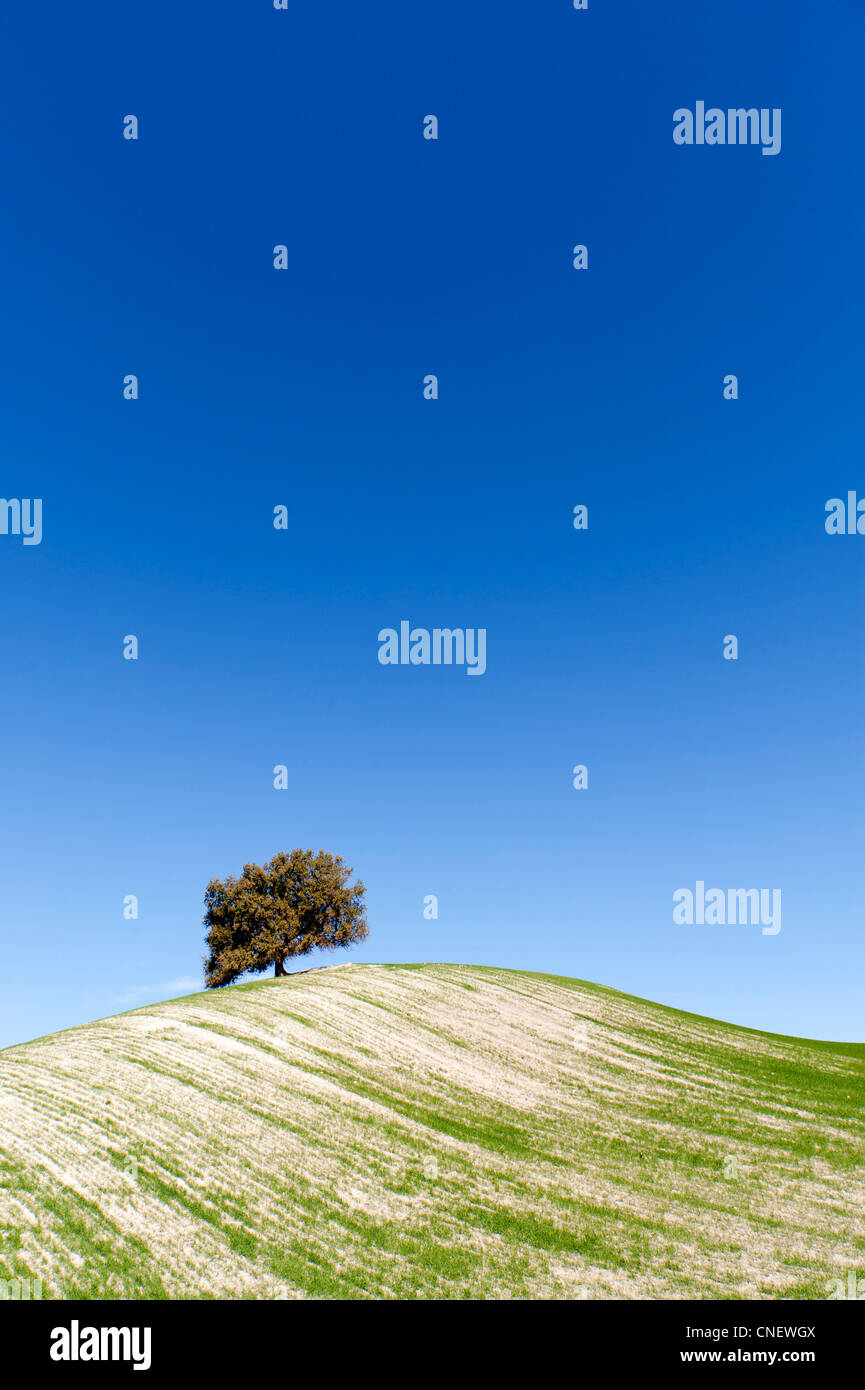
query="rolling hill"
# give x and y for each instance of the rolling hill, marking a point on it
(433, 1131)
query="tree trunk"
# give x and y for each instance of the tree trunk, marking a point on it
(280, 969)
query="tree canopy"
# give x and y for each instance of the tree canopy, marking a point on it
(297, 903)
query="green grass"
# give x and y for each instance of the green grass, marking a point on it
(429, 1131)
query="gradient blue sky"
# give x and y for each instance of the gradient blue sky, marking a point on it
(303, 387)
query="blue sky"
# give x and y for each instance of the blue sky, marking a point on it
(557, 387)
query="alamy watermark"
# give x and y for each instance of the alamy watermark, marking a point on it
(845, 518)
(20, 1290)
(441, 646)
(735, 126)
(853, 1288)
(77, 1343)
(718, 908)
(22, 517)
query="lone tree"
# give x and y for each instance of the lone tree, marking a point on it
(297, 903)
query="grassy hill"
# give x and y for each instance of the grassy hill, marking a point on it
(429, 1131)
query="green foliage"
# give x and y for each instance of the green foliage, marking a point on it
(297, 903)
